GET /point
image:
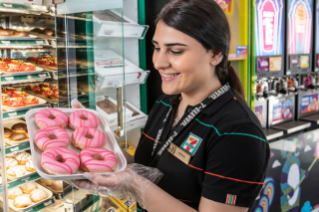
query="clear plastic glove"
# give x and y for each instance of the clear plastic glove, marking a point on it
(76, 104)
(131, 182)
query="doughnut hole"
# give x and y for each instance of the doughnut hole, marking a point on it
(89, 136)
(83, 117)
(60, 158)
(98, 157)
(52, 137)
(51, 116)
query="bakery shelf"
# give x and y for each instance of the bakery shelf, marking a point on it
(21, 8)
(78, 72)
(9, 44)
(20, 113)
(18, 148)
(5, 80)
(41, 206)
(23, 180)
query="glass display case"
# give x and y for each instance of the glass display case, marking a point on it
(50, 55)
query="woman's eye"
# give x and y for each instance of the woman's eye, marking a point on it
(156, 49)
(176, 52)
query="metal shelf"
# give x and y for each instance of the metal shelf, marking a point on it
(5, 80)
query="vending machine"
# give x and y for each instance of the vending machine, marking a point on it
(268, 57)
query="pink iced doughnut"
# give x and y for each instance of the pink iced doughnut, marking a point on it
(50, 117)
(98, 160)
(60, 161)
(86, 137)
(83, 118)
(51, 137)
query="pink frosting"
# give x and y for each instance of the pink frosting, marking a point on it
(44, 140)
(42, 118)
(83, 118)
(71, 160)
(98, 165)
(83, 136)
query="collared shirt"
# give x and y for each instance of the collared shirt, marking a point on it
(229, 152)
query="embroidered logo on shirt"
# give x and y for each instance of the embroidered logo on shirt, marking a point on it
(191, 144)
(231, 199)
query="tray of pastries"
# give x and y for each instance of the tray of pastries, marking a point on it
(56, 186)
(14, 100)
(15, 131)
(19, 165)
(11, 34)
(47, 91)
(17, 67)
(30, 194)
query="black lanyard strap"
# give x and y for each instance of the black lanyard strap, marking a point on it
(189, 118)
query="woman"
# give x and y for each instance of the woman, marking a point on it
(201, 134)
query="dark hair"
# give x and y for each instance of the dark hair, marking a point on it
(205, 21)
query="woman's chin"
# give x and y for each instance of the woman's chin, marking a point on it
(169, 91)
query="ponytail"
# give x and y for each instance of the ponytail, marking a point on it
(235, 83)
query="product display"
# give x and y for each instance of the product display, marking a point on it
(46, 182)
(83, 118)
(29, 187)
(85, 137)
(51, 137)
(98, 160)
(22, 201)
(45, 90)
(22, 157)
(13, 193)
(16, 171)
(51, 117)
(10, 162)
(38, 195)
(14, 66)
(60, 160)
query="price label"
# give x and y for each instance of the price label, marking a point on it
(9, 78)
(288, 72)
(14, 149)
(7, 5)
(5, 42)
(12, 114)
(42, 75)
(29, 210)
(40, 42)
(25, 179)
(47, 203)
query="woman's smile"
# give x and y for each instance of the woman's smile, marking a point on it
(169, 77)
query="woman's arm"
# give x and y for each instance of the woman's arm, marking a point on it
(157, 200)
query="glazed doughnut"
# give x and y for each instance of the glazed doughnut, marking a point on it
(60, 161)
(85, 137)
(51, 137)
(51, 117)
(98, 160)
(83, 118)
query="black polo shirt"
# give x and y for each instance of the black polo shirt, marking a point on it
(229, 152)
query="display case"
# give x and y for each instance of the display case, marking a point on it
(50, 55)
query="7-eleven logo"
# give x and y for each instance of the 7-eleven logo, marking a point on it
(191, 144)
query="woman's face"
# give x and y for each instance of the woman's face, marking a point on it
(183, 63)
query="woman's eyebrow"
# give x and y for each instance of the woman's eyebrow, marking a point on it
(170, 44)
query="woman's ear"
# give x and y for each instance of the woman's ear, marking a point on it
(216, 58)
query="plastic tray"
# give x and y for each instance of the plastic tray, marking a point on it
(49, 194)
(111, 145)
(41, 102)
(32, 37)
(37, 70)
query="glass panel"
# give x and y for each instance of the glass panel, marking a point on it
(89, 48)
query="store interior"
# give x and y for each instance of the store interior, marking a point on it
(101, 54)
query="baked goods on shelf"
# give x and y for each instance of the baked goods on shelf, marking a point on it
(7, 132)
(22, 201)
(19, 128)
(20, 34)
(57, 186)
(29, 187)
(38, 195)
(22, 157)
(13, 193)
(8, 65)
(10, 162)
(17, 133)
(44, 90)
(29, 166)
(46, 182)
(47, 60)
(16, 99)
(18, 137)
(16, 171)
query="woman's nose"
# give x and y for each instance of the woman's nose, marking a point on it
(160, 60)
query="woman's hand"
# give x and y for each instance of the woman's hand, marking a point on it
(131, 182)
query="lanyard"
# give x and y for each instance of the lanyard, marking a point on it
(210, 99)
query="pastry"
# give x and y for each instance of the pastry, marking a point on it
(51, 117)
(16, 171)
(4, 32)
(85, 137)
(18, 137)
(13, 193)
(46, 182)
(22, 157)
(51, 137)
(22, 201)
(20, 34)
(98, 160)
(7, 132)
(19, 128)
(49, 32)
(60, 161)
(57, 185)
(29, 166)
(11, 31)
(38, 195)
(10, 162)
(29, 187)
(83, 118)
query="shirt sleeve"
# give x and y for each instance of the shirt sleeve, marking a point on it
(236, 164)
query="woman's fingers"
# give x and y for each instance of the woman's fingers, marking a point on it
(85, 184)
(110, 181)
(76, 104)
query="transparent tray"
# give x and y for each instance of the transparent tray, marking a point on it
(111, 145)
